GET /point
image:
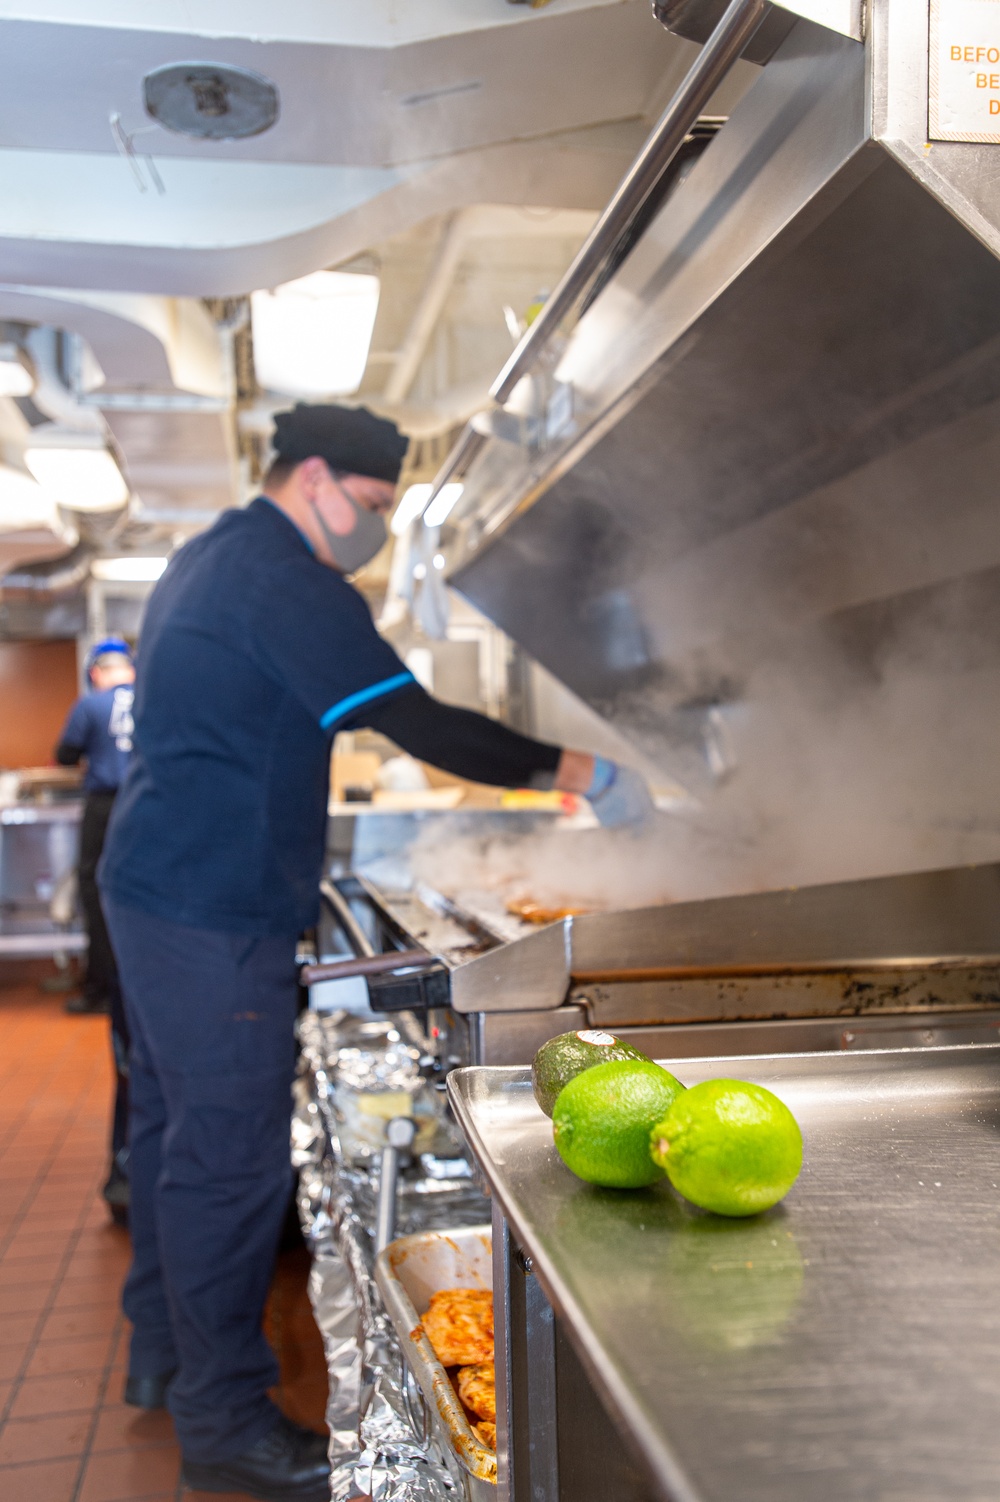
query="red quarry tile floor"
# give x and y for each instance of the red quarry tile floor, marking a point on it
(65, 1436)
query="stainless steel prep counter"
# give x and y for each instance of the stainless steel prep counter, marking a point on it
(846, 1345)
(39, 847)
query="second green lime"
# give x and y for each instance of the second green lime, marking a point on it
(729, 1146)
(561, 1059)
(603, 1118)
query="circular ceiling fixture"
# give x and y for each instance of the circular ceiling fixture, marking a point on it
(210, 101)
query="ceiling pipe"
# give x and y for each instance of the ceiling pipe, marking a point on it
(429, 309)
(68, 572)
(64, 575)
(51, 394)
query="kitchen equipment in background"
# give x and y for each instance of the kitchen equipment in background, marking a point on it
(347, 1204)
(379, 1082)
(39, 845)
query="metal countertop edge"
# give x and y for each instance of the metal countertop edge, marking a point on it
(670, 1479)
(673, 1483)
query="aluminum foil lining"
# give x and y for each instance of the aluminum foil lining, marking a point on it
(382, 1442)
(394, 1066)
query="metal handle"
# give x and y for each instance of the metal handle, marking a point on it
(748, 969)
(716, 58)
(369, 964)
(341, 910)
(399, 1135)
(467, 446)
(409, 1387)
(718, 55)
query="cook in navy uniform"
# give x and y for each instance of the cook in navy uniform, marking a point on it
(99, 731)
(255, 651)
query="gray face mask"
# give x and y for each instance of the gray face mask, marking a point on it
(359, 546)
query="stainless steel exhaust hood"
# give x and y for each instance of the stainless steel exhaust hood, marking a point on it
(757, 484)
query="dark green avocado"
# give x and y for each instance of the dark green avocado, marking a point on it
(561, 1059)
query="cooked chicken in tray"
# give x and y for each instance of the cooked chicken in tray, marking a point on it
(477, 1389)
(487, 1432)
(459, 1325)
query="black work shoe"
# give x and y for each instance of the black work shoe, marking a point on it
(288, 1465)
(88, 1006)
(116, 1195)
(148, 1392)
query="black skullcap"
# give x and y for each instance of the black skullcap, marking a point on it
(350, 439)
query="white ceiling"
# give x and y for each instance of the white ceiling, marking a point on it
(343, 102)
(388, 113)
(396, 122)
(376, 23)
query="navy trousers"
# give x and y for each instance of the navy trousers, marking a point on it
(211, 1018)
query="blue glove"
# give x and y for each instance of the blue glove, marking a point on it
(618, 795)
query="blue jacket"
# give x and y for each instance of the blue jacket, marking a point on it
(99, 728)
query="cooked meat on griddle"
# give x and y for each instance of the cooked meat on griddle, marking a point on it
(459, 1325)
(477, 1389)
(487, 1432)
(530, 911)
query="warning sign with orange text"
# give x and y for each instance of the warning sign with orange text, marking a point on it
(964, 73)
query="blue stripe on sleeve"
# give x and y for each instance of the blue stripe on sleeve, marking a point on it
(364, 696)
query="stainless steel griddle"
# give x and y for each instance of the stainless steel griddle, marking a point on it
(915, 955)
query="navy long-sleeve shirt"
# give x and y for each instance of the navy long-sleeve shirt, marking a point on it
(253, 655)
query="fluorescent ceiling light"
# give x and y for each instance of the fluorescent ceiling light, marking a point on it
(412, 502)
(443, 505)
(311, 336)
(84, 479)
(23, 503)
(128, 570)
(16, 378)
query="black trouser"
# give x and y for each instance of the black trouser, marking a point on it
(212, 1020)
(101, 980)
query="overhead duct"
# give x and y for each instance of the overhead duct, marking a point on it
(155, 373)
(51, 394)
(64, 575)
(68, 572)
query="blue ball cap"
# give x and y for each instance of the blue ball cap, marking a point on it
(104, 648)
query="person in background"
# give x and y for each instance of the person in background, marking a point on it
(99, 732)
(255, 652)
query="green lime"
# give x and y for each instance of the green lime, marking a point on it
(603, 1118)
(729, 1147)
(561, 1059)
